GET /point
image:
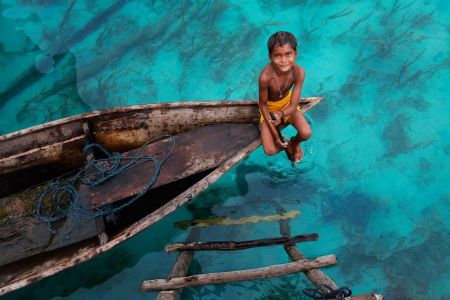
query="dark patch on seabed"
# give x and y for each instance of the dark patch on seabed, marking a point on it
(337, 167)
(418, 103)
(353, 212)
(414, 264)
(276, 178)
(68, 102)
(322, 112)
(447, 149)
(397, 140)
(419, 264)
(287, 287)
(243, 169)
(202, 206)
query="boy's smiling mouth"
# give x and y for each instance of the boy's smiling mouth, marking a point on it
(283, 68)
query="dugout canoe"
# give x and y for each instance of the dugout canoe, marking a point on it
(209, 138)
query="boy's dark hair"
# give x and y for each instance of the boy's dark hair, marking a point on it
(281, 38)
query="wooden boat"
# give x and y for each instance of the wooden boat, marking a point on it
(210, 138)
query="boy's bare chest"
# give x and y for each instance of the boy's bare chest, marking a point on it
(279, 87)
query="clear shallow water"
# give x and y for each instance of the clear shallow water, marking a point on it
(374, 182)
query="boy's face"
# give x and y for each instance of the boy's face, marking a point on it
(283, 57)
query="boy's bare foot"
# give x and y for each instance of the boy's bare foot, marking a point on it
(297, 151)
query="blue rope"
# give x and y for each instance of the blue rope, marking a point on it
(63, 199)
(62, 205)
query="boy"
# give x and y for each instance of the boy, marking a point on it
(275, 83)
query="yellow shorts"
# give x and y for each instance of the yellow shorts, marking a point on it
(274, 106)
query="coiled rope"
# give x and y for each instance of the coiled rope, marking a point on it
(60, 199)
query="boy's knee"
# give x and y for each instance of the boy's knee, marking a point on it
(270, 151)
(305, 134)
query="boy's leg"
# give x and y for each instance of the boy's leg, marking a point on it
(267, 140)
(304, 132)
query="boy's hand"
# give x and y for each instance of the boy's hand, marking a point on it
(281, 144)
(278, 118)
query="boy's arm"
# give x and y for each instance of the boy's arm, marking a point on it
(263, 98)
(295, 97)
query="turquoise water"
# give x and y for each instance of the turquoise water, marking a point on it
(374, 180)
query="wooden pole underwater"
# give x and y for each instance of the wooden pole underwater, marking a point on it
(233, 276)
(233, 245)
(315, 276)
(180, 267)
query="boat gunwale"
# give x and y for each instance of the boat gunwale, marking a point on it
(136, 108)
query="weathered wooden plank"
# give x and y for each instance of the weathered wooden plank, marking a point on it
(233, 276)
(23, 235)
(30, 157)
(99, 116)
(122, 131)
(197, 150)
(38, 165)
(232, 245)
(26, 140)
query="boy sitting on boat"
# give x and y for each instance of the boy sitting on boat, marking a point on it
(278, 102)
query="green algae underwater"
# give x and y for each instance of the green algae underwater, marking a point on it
(374, 180)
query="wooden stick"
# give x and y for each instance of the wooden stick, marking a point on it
(232, 245)
(315, 276)
(250, 274)
(180, 267)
